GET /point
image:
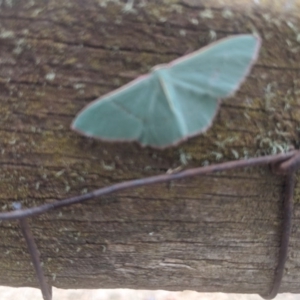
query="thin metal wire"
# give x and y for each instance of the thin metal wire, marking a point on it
(286, 227)
(283, 164)
(251, 162)
(35, 257)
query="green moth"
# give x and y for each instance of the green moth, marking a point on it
(174, 101)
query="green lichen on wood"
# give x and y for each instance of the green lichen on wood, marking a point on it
(63, 60)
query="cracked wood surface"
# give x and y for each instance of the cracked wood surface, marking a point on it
(218, 233)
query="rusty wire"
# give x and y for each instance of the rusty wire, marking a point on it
(285, 164)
